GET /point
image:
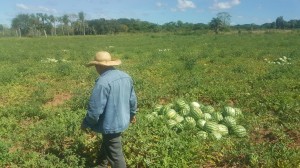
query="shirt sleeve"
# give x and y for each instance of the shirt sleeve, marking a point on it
(133, 102)
(96, 105)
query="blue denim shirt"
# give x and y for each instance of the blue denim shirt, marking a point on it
(112, 103)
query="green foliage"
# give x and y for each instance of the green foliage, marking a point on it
(216, 70)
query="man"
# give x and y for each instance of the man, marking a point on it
(112, 106)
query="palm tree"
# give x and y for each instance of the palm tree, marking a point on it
(53, 19)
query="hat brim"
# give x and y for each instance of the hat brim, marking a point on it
(105, 63)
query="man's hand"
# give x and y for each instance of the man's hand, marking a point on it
(133, 120)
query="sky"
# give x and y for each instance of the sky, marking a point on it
(157, 11)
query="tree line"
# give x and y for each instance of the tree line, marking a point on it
(41, 24)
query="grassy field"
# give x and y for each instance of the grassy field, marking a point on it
(45, 88)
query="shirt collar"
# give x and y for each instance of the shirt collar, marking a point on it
(107, 70)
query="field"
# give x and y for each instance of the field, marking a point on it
(45, 88)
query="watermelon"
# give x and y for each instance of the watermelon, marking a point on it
(215, 135)
(217, 117)
(171, 114)
(208, 109)
(185, 110)
(211, 126)
(178, 118)
(206, 116)
(202, 134)
(229, 121)
(223, 130)
(190, 122)
(179, 126)
(171, 123)
(195, 112)
(239, 131)
(158, 107)
(179, 104)
(200, 123)
(195, 104)
(228, 111)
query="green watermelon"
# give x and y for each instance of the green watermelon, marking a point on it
(200, 123)
(217, 116)
(171, 123)
(179, 104)
(208, 109)
(195, 104)
(190, 122)
(228, 111)
(229, 121)
(206, 116)
(223, 129)
(239, 131)
(215, 135)
(185, 110)
(211, 126)
(195, 112)
(158, 107)
(178, 118)
(179, 126)
(171, 114)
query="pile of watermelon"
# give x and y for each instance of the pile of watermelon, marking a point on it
(209, 122)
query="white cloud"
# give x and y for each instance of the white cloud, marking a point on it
(22, 6)
(35, 8)
(185, 4)
(225, 5)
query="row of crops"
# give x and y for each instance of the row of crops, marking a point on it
(211, 123)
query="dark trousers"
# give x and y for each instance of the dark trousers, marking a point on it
(111, 151)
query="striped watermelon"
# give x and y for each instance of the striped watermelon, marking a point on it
(190, 122)
(211, 126)
(158, 107)
(239, 131)
(215, 135)
(179, 104)
(185, 110)
(195, 112)
(217, 116)
(171, 114)
(171, 123)
(228, 111)
(208, 109)
(202, 134)
(200, 123)
(229, 121)
(206, 116)
(179, 126)
(223, 129)
(178, 118)
(195, 104)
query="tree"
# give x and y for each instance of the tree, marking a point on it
(53, 20)
(280, 22)
(225, 18)
(215, 24)
(82, 22)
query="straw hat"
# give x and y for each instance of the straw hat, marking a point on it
(104, 58)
